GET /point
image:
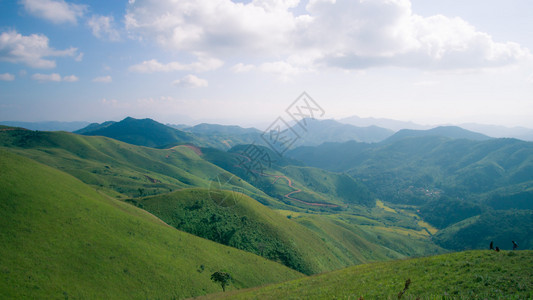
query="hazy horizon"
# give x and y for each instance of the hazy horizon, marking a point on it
(244, 62)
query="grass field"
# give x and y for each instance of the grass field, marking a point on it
(60, 238)
(462, 275)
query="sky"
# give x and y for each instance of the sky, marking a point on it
(244, 62)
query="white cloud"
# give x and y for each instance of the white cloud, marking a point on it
(242, 68)
(70, 78)
(342, 34)
(56, 11)
(7, 77)
(103, 79)
(46, 77)
(203, 64)
(54, 77)
(217, 26)
(30, 50)
(103, 27)
(191, 81)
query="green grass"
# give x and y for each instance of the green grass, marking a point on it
(247, 225)
(117, 168)
(60, 238)
(462, 275)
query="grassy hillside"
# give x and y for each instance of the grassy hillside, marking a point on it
(60, 238)
(119, 169)
(463, 275)
(239, 221)
(501, 227)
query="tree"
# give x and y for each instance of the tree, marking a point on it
(222, 277)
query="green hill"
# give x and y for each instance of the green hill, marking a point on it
(145, 132)
(119, 169)
(243, 223)
(501, 227)
(59, 238)
(446, 180)
(463, 275)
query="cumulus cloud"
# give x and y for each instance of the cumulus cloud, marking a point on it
(214, 26)
(103, 27)
(54, 77)
(30, 50)
(7, 77)
(55, 11)
(191, 81)
(103, 79)
(203, 64)
(342, 34)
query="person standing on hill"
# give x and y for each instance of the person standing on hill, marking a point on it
(491, 245)
(515, 245)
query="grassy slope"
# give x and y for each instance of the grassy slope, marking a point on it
(61, 238)
(501, 227)
(463, 275)
(116, 167)
(247, 225)
(337, 240)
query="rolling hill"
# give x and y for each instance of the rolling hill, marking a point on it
(60, 238)
(234, 219)
(462, 275)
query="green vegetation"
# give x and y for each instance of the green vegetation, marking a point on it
(463, 275)
(221, 277)
(477, 232)
(114, 167)
(446, 179)
(249, 226)
(60, 238)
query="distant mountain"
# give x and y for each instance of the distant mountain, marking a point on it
(452, 132)
(394, 125)
(224, 137)
(47, 126)
(317, 132)
(142, 132)
(94, 126)
(496, 131)
(206, 128)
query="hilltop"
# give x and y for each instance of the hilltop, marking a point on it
(462, 275)
(142, 132)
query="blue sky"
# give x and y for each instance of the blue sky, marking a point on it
(244, 62)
